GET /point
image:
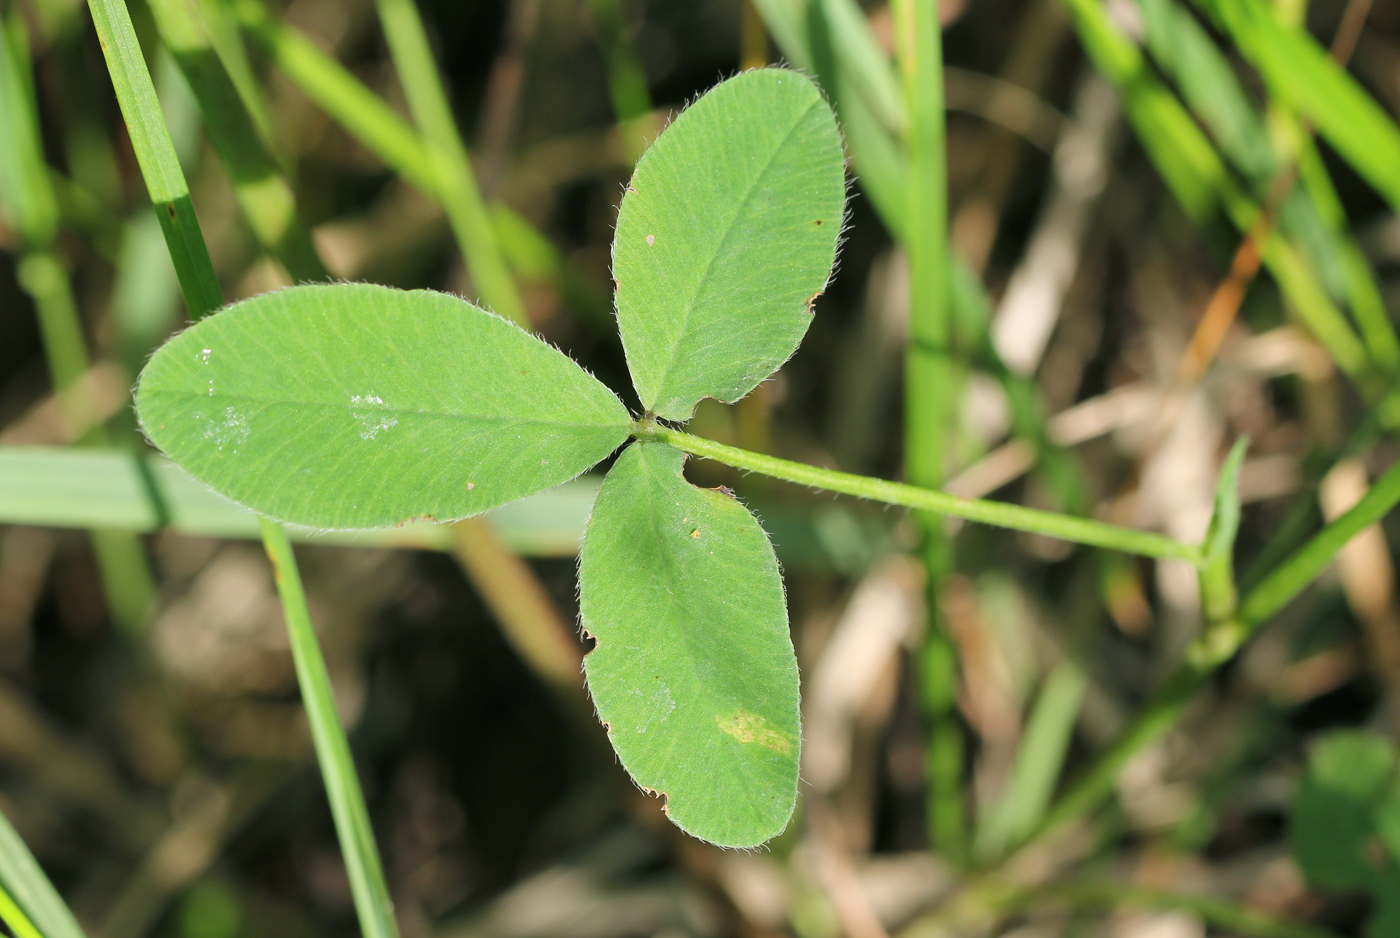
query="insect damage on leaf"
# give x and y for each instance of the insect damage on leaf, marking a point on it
(705, 618)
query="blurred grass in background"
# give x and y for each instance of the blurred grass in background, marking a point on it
(1171, 225)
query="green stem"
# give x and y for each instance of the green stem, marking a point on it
(456, 186)
(262, 191)
(929, 380)
(155, 154)
(357, 843)
(1290, 577)
(160, 166)
(341, 95)
(1217, 645)
(27, 196)
(627, 82)
(999, 514)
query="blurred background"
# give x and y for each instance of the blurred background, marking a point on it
(154, 752)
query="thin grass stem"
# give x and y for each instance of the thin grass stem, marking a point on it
(155, 154)
(27, 196)
(929, 387)
(262, 191)
(165, 180)
(455, 184)
(341, 95)
(352, 824)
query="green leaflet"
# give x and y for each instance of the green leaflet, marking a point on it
(1298, 69)
(725, 236)
(1345, 826)
(694, 671)
(358, 406)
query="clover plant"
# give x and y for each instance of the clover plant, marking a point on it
(359, 406)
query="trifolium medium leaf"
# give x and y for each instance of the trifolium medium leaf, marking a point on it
(359, 406)
(694, 672)
(725, 236)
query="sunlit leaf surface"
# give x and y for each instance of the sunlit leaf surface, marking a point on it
(726, 235)
(694, 671)
(358, 406)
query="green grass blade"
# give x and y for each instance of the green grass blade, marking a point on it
(76, 488)
(452, 172)
(627, 81)
(1293, 575)
(29, 889)
(263, 193)
(1217, 568)
(694, 673)
(930, 386)
(1199, 179)
(1188, 163)
(1039, 758)
(1362, 290)
(383, 132)
(156, 155)
(357, 844)
(341, 95)
(19, 924)
(166, 182)
(146, 293)
(725, 238)
(1296, 68)
(27, 196)
(928, 392)
(1314, 218)
(1218, 645)
(860, 57)
(227, 40)
(807, 37)
(1187, 54)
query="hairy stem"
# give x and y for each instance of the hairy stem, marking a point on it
(999, 514)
